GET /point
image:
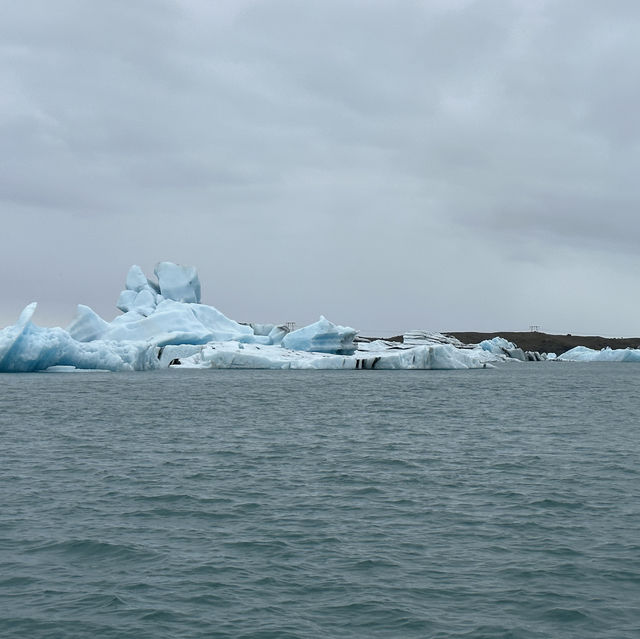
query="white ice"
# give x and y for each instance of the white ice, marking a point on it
(25, 347)
(501, 346)
(163, 323)
(178, 283)
(322, 337)
(238, 355)
(584, 354)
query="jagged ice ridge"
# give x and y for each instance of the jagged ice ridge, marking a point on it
(163, 323)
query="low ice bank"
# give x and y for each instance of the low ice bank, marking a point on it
(163, 323)
(584, 354)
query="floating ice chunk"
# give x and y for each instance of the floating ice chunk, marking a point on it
(436, 357)
(171, 323)
(420, 338)
(73, 369)
(516, 353)
(237, 355)
(584, 354)
(221, 327)
(126, 300)
(11, 337)
(145, 302)
(25, 347)
(179, 283)
(579, 354)
(322, 337)
(142, 302)
(277, 333)
(254, 339)
(381, 345)
(136, 280)
(501, 346)
(497, 345)
(177, 323)
(87, 325)
(130, 316)
(171, 353)
(108, 355)
(140, 295)
(262, 329)
(164, 323)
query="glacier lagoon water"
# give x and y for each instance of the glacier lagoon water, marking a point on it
(484, 503)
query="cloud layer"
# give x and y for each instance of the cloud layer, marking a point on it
(439, 165)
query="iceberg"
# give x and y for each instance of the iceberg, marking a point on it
(322, 337)
(499, 345)
(25, 348)
(238, 355)
(176, 323)
(584, 354)
(164, 324)
(178, 283)
(87, 325)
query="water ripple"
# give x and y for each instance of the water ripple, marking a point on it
(476, 504)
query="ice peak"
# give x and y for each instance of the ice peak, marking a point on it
(179, 283)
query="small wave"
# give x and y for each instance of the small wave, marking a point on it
(17, 582)
(368, 490)
(93, 549)
(97, 601)
(163, 616)
(372, 564)
(549, 502)
(566, 614)
(273, 544)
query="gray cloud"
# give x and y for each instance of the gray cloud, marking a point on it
(445, 165)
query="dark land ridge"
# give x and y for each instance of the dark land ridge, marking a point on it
(546, 343)
(537, 342)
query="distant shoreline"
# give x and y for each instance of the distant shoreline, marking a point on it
(538, 342)
(546, 343)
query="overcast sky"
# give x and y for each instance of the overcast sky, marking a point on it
(436, 164)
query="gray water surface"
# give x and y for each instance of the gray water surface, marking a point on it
(255, 504)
